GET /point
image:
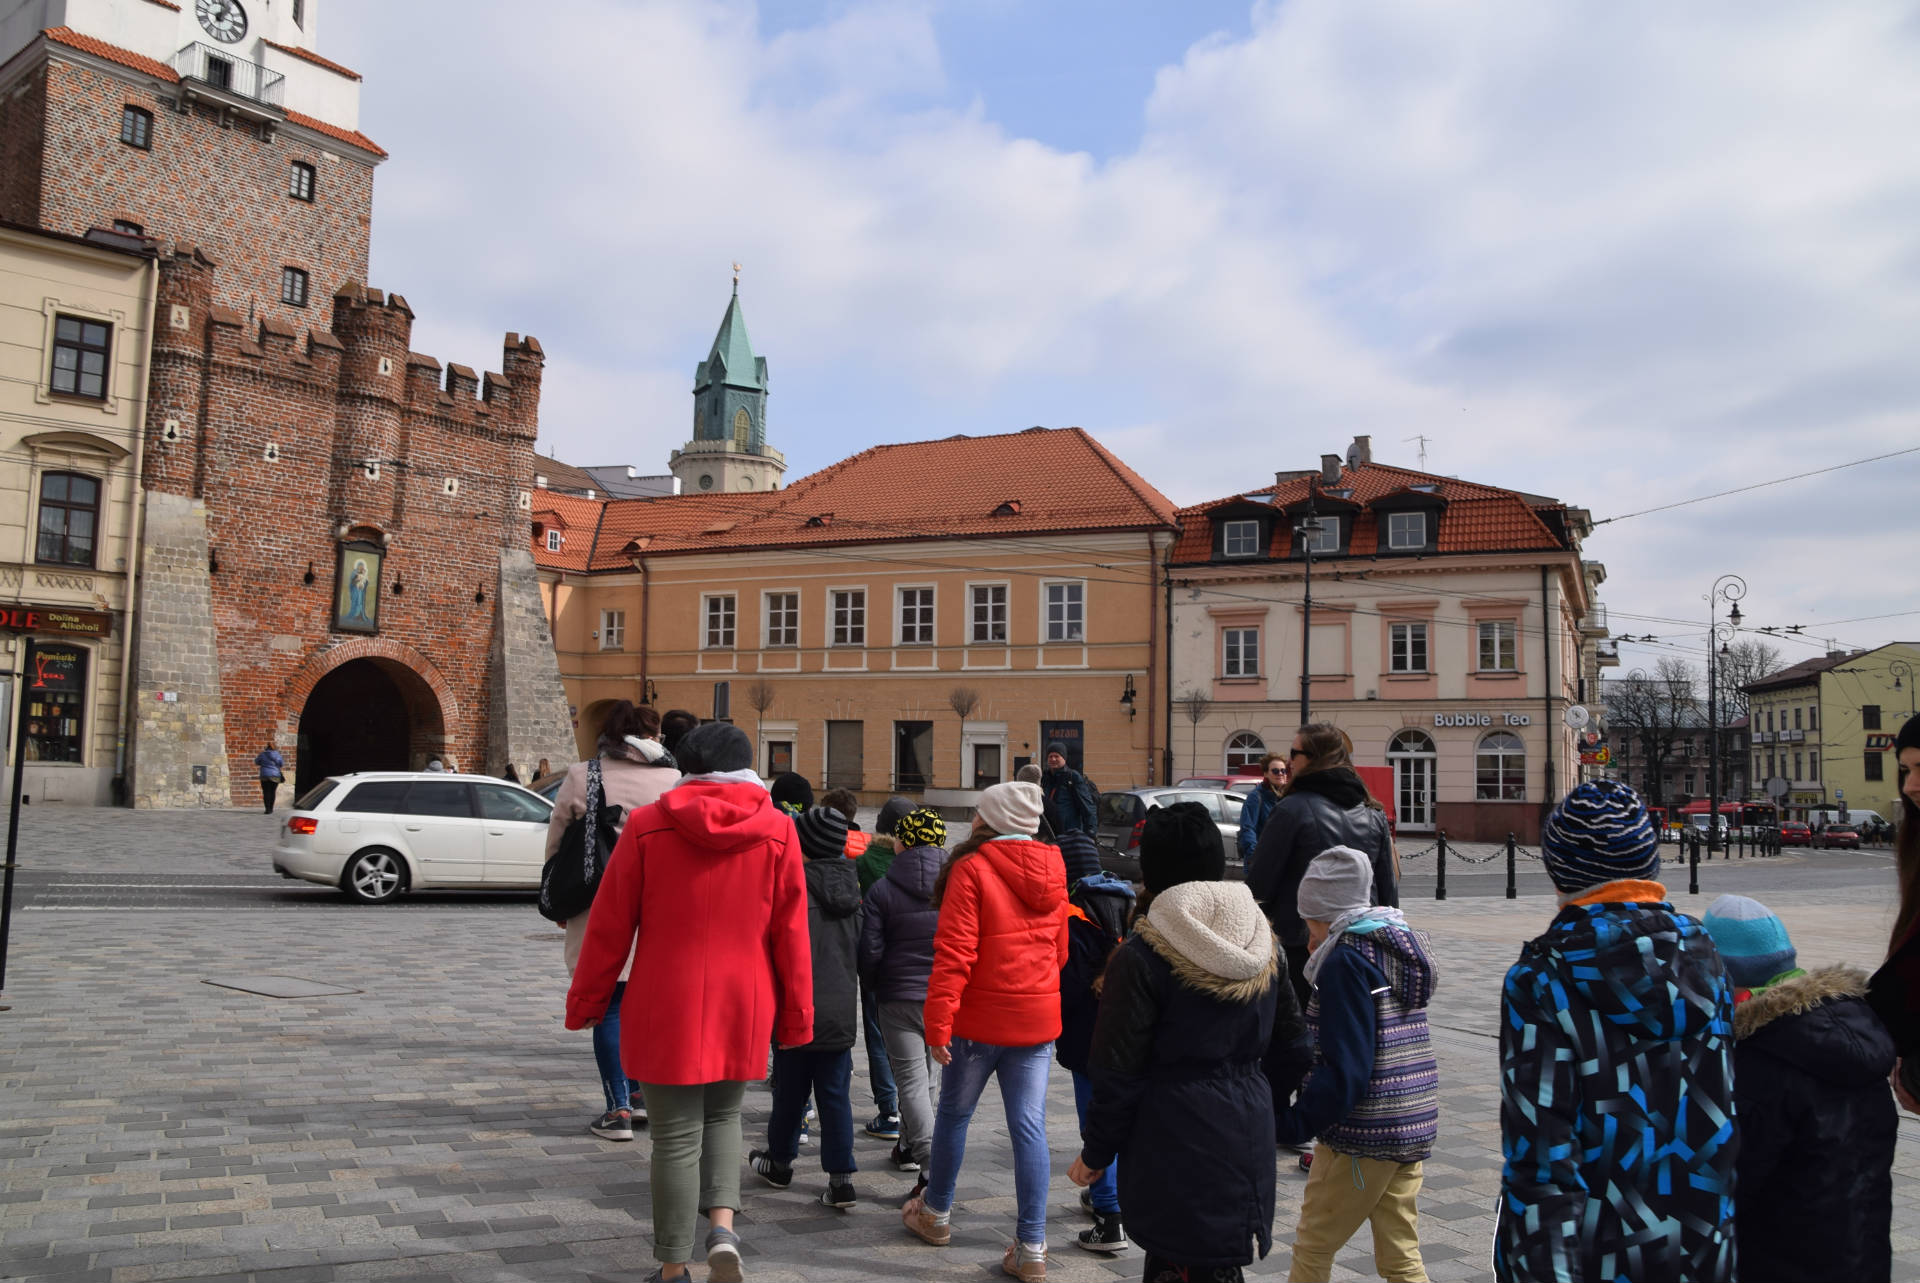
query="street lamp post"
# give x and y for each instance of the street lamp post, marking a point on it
(1901, 668)
(1730, 589)
(1303, 535)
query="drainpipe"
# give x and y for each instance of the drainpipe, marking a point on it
(1166, 757)
(1153, 652)
(1546, 666)
(646, 621)
(136, 522)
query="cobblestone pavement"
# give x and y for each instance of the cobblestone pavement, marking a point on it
(425, 1118)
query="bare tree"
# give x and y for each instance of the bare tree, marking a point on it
(760, 696)
(963, 700)
(1653, 714)
(1196, 704)
(1747, 661)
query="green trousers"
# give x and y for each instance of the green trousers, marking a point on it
(696, 1160)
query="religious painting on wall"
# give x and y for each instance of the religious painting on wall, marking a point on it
(356, 593)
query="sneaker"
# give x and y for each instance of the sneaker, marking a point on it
(1107, 1234)
(885, 1126)
(920, 1223)
(1086, 1202)
(808, 1121)
(839, 1193)
(615, 1124)
(1028, 1264)
(1306, 1162)
(919, 1189)
(723, 1256)
(778, 1175)
(903, 1159)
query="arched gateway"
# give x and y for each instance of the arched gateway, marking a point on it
(370, 705)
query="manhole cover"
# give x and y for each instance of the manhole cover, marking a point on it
(281, 987)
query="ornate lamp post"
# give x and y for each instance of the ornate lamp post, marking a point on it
(1730, 589)
(1900, 668)
(1304, 535)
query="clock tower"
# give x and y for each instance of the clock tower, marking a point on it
(729, 450)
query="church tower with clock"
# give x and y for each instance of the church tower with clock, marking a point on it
(729, 450)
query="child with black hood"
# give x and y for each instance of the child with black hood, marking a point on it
(1188, 1007)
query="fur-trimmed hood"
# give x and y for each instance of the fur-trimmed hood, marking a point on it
(1819, 1022)
(1214, 937)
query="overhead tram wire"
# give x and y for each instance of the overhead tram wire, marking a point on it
(1760, 485)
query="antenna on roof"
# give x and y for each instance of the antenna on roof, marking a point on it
(1422, 439)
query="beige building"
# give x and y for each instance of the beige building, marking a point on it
(1453, 624)
(75, 329)
(918, 619)
(1826, 728)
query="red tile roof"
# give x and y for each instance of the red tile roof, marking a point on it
(166, 4)
(314, 58)
(1041, 481)
(352, 137)
(579, 519)
(1478, 518)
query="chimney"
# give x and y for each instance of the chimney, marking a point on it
(1360, 452)
(1329, 469)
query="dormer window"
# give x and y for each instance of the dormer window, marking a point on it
(554, 538)
(1321, 538)
(1406, 531)
(1241, 539)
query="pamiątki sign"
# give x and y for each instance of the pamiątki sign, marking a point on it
(59, 621)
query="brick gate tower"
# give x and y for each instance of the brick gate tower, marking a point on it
(335, 528)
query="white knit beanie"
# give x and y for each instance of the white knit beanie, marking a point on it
(1010, 808)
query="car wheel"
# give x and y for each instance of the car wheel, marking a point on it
(374, 877)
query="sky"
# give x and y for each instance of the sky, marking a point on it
(1624, 253)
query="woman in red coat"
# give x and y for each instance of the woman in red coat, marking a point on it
(706, 890)
(993, 1009)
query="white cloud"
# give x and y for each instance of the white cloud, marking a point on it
(1620, 252)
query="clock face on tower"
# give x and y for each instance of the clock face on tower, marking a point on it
(224, 20)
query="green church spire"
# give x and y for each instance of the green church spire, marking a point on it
(730, 386)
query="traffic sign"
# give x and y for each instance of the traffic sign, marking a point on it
(1778, 787)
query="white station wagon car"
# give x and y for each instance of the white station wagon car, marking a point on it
(378, 833)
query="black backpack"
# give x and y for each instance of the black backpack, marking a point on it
(570, 878)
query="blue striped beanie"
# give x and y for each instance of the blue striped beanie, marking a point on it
(1752, 940)
(1599, 833)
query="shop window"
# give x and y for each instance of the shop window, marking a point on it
(1499, 646)
(69, 515)
(55, 702)
(1408, 646)
(1240, 652)
(1244, 748)
(1500, 768)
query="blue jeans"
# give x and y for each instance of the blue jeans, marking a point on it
(828, 1077)
(1106, 1190)
(1022, 1072)
(619, 1088)
(886, 1098)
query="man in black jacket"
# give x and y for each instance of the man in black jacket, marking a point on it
(1067, 796)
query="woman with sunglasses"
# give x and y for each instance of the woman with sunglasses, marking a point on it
(1259, 804)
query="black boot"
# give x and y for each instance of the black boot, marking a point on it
(1107, 1234)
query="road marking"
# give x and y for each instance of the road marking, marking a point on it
(171, 886)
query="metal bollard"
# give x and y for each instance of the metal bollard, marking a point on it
(1513, 892)
(1693, 878)
(1440, 881)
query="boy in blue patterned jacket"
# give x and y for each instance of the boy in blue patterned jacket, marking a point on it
(1373, 1095)
(1616, 1075)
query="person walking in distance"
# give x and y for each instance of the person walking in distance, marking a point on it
(707, 891)
(1810, 1063)
(1187, 1009)
(273, 769)
(1071, 803)
(896, 956)
(631, 763)
(1616, 1069)
(1373, 1097)
(993, 1010)
(1260, 803)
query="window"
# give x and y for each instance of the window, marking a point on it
(54, 702)
(1813, 766)
(219, 72)
(1689, 785)
(989, 613)
(1500, 769)
(1324, 539)
(553, 540)
(1406, 530)
(912, 755)
(1799, 761)
(300, 14)
(783, 619)
(1241, 652)
(382, 797)
(1066, 612)
(720, 618)
(1876, 765)
(742, 430)
(1499, 646)
(126, 228)
(69, 513)
(1813, 717)
(849, 616)
(293, 286)
(916, 616)
(447, 799)
(498, 802)
(136, 128)
(1407, 647)
(1796, 719)
(1244, 748)
(1869, 717)
(613, 629)
(1769, 721)
(1241, 538)
(81, 350)
(300, 181)
(846, 755)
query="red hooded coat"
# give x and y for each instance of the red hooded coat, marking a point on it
(998, 950)
(710, 880)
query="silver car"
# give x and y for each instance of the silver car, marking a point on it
(1122, 816)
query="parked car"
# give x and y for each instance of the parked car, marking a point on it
(1122, 816)
(1838, 835)
(1795, 833)
(375, 834)
(1241, 784)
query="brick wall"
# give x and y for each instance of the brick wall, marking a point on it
(217, 186)
(323, 405)
(22, 145)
